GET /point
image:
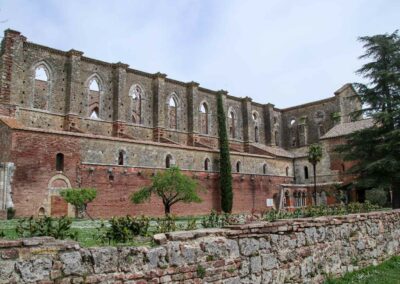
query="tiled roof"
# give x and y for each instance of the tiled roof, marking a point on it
(347, 128)
(276, 151)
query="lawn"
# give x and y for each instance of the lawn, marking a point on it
(387, 272)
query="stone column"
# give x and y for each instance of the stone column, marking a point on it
(193, 112)
(6, 175)
(247, 123)
(12, 45)
(158, 86)
(269, 124)
(71, 121)
(119, 82)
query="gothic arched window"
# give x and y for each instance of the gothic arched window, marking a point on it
(136, 95)
(41, 91)
(231, 124)
(94, 98)
(204, 118)
(172, 113)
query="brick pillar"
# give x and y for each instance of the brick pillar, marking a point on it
(71, 120)
(12, 46)
(193, 112)
(158, 86)
(119, 82)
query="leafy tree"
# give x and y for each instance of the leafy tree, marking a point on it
(225, 169)
(80, 198)
(314, 157)
(377, 149)
(171, 186)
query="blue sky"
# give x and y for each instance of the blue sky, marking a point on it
(282, 52)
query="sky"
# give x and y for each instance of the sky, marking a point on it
(281, 52)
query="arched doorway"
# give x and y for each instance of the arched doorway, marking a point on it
(56, 205)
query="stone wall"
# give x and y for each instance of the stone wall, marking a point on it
(290, 251)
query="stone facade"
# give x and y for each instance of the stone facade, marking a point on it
(288, 251)
(111, 122)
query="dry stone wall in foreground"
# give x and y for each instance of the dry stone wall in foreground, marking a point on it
(294, 251)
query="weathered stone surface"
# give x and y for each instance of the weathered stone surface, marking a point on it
(35, 270)
(72, 263)
(105, 259)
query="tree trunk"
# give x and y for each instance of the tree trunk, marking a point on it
(167, 208)
(315, 185)
(396, 194)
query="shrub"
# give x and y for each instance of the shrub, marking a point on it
(215, 220)
(376, 196)
(124, 229)
(167, 224)
(58, 228)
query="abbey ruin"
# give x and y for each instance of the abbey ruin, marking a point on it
(67, 120)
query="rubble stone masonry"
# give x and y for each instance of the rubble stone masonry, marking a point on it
(288, 251)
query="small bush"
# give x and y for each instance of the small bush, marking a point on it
(215, 220)
(376, 196)
(10, 213)
(124, 229)
(167, 224)
(58, 228)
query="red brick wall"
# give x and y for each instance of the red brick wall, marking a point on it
(34, 155)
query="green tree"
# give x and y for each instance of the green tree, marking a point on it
(225, 170)
(314, 157)
(171, 186)
(80, 198)
(377, 149)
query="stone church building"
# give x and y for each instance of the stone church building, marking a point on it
(67, 120)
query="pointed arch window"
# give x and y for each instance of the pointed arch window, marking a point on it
(287, 171)
(121, 158)
(204, 123)
(207, 164)
(41, 90)
(172, 112)
(264, 169)
(238, 164)
(276, 138)
(60, 162)
(169, 161)
(94, 98)
(305, 172)
(231, 124)
(136, 95)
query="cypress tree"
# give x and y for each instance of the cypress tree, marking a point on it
(225, 170)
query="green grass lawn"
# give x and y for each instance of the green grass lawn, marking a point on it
(387, 272)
